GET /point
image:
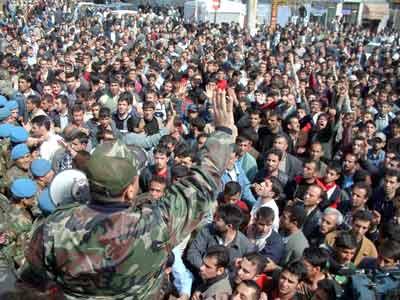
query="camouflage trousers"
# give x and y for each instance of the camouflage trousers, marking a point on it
(8, 276)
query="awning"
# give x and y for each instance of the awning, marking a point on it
(317, 11)
(346, 12)
(375, 11)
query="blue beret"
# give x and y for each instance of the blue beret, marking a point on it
(19, 135)
(40, 167)
(46, 205)
(3, 101)
(5, 130)
(23, 188)
(19, 151)
(4, 113)
(11, 105)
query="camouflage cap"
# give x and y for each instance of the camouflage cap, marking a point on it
(111, 168)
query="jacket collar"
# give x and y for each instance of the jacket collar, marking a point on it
(212, 281)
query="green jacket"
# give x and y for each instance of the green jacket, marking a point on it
(117, 251)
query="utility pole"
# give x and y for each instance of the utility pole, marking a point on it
(216, 4)
(251, 16)
(196, 10)
(274, 13)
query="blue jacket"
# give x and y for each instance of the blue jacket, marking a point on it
(273, 248)
(244, 182)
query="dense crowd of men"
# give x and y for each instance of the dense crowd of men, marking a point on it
(220, 165)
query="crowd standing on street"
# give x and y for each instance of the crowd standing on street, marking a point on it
(216, 164)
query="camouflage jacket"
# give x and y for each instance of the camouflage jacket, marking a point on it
(4, 156)
(21, 222)
(16, 223)
(117, 251)
(14, 173)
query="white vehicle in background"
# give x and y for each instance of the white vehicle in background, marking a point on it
(123, 13)
(122, 6)
(204, 11)
(83, 7)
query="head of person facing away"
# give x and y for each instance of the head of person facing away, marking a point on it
(112, 173)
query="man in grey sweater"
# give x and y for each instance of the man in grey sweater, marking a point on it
(292, 220)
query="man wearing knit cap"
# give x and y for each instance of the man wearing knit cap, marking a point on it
(21, 160)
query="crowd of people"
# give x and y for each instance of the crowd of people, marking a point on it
(220, 165)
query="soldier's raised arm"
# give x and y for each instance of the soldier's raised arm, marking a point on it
(76, 244)
(187, 201)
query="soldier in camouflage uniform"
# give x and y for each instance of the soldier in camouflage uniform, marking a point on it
(5, 144)
(7, 241)
(21, 159)
(20, 217)
(4, 156)
(15, 172)
(15, 229)
(109, 248)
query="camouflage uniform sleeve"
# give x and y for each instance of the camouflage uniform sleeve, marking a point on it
(3, 167)
(34, 269)
(5, 181)
(4, 157)
(189, 200)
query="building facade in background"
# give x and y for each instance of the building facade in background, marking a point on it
(370, 13)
